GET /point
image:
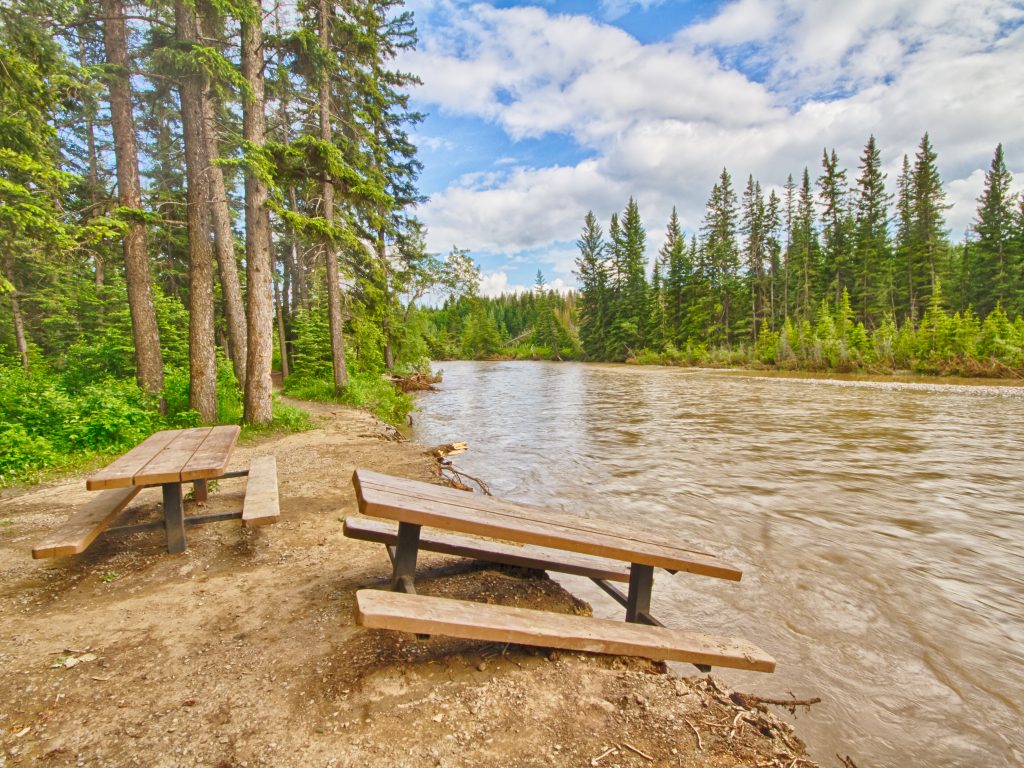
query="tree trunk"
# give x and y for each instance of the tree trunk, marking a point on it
(149, 368)
(201, 343)
(281, 338)
(330, 256)
(19, 323)
(259, 389)
(223, 236)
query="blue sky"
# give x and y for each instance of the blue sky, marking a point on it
(538, 112)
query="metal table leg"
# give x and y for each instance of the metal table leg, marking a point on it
(174, 518)
(404, 562)
(638, 602)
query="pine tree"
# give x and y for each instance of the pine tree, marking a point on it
(720, 257)
(754, 229)
(835, 227)
(804, 251)
(993, 256)
(593, 276)
(678, 282)
(874, 270)
(628, 330)
(928, 244)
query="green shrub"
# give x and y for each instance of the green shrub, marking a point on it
(22, 454)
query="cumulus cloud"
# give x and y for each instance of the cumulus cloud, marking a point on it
(659, 121)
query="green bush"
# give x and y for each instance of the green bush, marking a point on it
(22, 453)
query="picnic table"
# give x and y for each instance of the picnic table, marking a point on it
(167, 459)
(538, 538)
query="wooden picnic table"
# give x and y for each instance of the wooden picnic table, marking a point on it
(588, 547)
(167, 459)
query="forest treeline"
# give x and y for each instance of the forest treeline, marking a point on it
(834, 273)
(189, 188)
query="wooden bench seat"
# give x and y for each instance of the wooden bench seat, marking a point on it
(490, 551)
(81, 529)
(428, 615)
(262, 505)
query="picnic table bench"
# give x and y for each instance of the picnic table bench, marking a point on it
(542, 539)
(167, 459)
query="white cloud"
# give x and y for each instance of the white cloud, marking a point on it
(660, 120)
(496, 283)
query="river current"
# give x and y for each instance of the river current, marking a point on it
(880, 529)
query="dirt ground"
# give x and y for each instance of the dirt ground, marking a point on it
(242, 651)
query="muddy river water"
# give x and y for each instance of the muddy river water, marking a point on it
(880, 529)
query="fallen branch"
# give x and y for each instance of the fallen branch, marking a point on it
(700, 744)
(847, 761)
(457, 477)
(597, 760)
(644, 755)
(750, 701)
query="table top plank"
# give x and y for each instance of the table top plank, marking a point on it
(212, 457)
(120, 472)
(492, 505)
(166, 466)
(425, 504)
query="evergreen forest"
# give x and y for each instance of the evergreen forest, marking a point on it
(831, 272)
(192, 194)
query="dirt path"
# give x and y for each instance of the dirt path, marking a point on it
(242, 651)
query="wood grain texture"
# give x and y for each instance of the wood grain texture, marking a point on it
(262, 505)
(211, 458)
(119, 473)
(166, 466)
(429, 505)
(503, 624)
(491, 551)
(85, 524)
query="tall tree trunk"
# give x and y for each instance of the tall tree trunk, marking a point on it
(281, 337)
(19, 322)
(258, 389)
(223, 236)
(224, 248)
(93, 178)
(334, 316)
(149, 367)
(201, 343)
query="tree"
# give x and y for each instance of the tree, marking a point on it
(260, 315)
(592, 273)
(145, 333)
(993, 256)
(754, 228)
(721, 260)
(874, 283)
(678, 282)
(192, 87)
(928, 242)
(835, 226)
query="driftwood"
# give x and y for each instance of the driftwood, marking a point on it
(416, 382)
(750, 701)
(451, 475)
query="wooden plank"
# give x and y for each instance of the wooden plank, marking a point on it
(492, 505)
(429, 615)
(119, 473)
(525, 525)
(166, 466)
(261, 505)
(212, 457)
(491, 551)
(85, 524)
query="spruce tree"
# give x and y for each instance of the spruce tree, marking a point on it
(994, 259)
(929, 243)
(874, 271)
(678, 282)
(835, 228)
(592, 273)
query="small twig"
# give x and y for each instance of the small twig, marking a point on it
(644, 755)
(700, 744)
(846, 761)
(602, 756)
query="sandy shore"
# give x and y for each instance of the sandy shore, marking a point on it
(243, 652)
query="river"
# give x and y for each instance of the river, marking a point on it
(880, 529)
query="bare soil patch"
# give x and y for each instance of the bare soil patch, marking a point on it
(243, 652)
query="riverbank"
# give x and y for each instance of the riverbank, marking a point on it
(242, 651)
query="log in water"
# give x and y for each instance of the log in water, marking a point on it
(880, 528)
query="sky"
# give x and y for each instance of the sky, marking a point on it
(538, 112)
